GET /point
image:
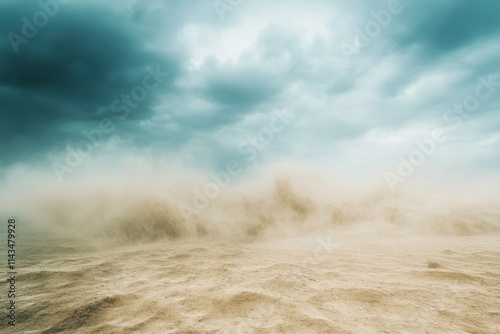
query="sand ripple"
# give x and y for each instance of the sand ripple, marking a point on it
(182, 287)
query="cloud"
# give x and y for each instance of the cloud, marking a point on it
(445, 26)
(226, 77)
(86, 57)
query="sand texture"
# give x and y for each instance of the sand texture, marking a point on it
(308, 285)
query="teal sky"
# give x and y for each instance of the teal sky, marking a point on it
(215, 75)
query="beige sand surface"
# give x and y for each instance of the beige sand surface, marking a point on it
(321, 284)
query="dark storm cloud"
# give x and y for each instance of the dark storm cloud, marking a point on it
(428, 32)
(237, 89)
(226, 75)
(71, 71)
(443, 26)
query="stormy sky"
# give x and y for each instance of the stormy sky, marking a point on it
(350, 84)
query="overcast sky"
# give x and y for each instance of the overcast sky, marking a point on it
(359, 81)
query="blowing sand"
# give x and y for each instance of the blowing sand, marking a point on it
(286, 255)
(320, 284)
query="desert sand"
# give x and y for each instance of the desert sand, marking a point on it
(283, 258)
(325, 283)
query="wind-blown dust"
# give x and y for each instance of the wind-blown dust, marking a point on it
(283, 204)
(292, 253)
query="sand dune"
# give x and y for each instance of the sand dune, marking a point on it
(398, 285)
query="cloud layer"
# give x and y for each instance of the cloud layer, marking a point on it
(231, 68)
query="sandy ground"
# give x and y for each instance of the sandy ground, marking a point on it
(308, 285)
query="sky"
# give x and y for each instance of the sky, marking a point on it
(358, 86)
